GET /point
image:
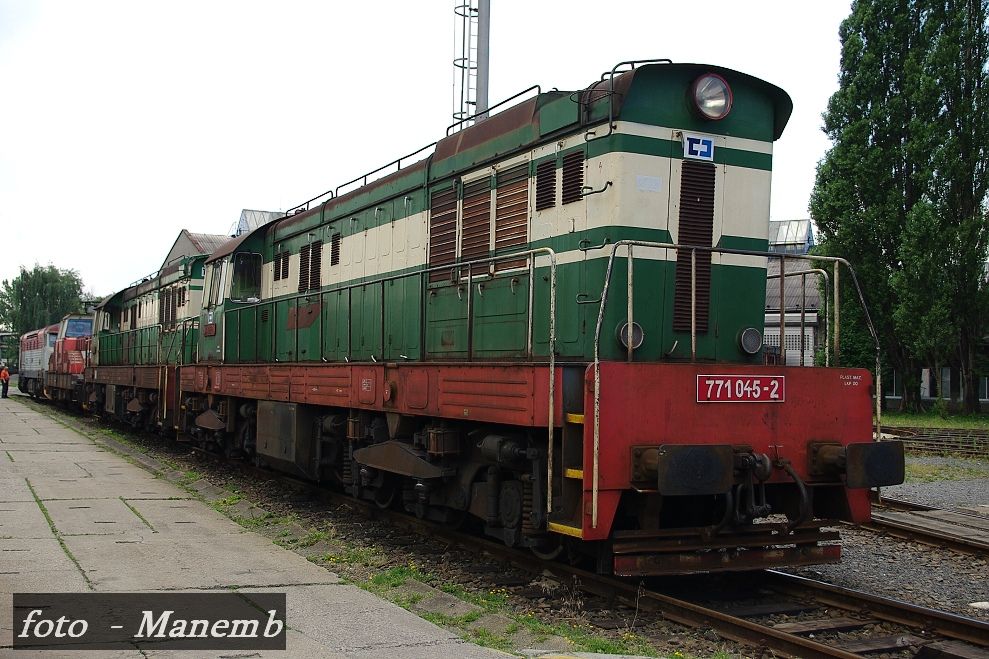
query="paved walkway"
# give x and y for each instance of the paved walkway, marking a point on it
(112, 526)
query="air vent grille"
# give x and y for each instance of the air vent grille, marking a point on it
(573, 177)
(696, 228)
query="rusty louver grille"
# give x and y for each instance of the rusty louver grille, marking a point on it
(545, 185)
(265, 314)
(696, 228)
(476, 223)
(335, 249)
(281, 266)
(512, 212)
(442, 230)
(315, 264)
(573, 177)
(304, 267)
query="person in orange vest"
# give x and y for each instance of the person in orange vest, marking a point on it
(5, 380)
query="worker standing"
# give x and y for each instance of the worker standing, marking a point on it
(4, 380)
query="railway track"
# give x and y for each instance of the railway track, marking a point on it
(750, 614)
(867, 623)
(969, 443)
(953, 529)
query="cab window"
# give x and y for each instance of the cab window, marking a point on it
(246, 284)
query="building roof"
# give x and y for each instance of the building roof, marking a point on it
(792, 288)
(207, 243)
(252, 219)
(791, 236)
(190, 244)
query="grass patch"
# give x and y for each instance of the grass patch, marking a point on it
(310, 538)
(584, 640)
(225, 502)
(490, 639)
(934, 420)
(366, 556)
(931, 473)
(493, 600)
(138, 514)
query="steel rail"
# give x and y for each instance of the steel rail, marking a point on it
(947, 624)
(692, 614)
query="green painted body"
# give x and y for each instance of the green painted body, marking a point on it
(153, 344)
(401, 315)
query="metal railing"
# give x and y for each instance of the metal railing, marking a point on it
(694, 249)
(803, 310)
(610, 75)
(458, 278)
(182, 329)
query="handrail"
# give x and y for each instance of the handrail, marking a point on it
(538, 88)
(590, 135)
(803, 304)
(837, 261)
(397, 162)
(455, 270)
(335, 192)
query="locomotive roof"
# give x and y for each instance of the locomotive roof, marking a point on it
(520, 126)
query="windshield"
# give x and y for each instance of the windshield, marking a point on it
(79, 327)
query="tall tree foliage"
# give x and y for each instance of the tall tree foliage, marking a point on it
(902, 191)
(38, 297)
(957, 61)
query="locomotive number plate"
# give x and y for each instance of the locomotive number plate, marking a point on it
(741, 388)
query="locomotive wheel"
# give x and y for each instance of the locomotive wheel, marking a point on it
(550, 550)
(384, 496)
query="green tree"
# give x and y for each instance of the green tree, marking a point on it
(38, 297)
(870, 180)
(902, 191)
(956, 64)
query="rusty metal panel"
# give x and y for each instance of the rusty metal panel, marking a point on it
(202, 377)
(442, 230)
(493, 393)
(367, 386)
(147, 377)
(187, 378)
(414, 388)
(328, 385)
(476, 220)
(512, 212)
(279, 383)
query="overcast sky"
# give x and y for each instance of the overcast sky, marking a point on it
(123, 122)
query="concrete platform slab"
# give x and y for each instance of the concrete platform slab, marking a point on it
(31, 555)
(339, 617)
(128, 531)
(93, 517)
(184, 517)
(157, 562)
(91, 487)
(23, 519)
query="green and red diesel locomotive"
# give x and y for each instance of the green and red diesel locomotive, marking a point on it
(549, 325)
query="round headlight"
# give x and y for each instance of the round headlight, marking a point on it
(750, 340)
(712, 96)
(637, 335)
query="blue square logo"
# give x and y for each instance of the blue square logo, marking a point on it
(698, 147)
